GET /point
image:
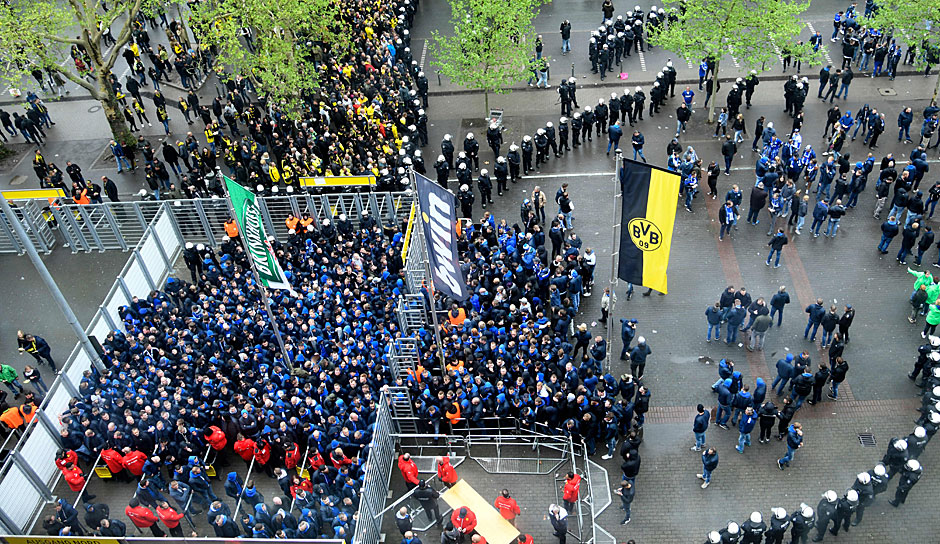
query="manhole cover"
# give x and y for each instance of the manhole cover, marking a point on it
(867, 440)
(887, 92)
(94, 109)
(18, 180)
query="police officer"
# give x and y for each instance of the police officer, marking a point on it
(564, 97)
(803, 520)
(502, 174)
(418, 162)
(626, 108)
(576, 125)
(472, 147)
(750, 83)
(428, 496)
(587, 118)
(463, 175)
(638, 100)
(730, 534)
(193, 262)
(465, 196)
(909, 476)
(421, 82)
(563, 135)
(847, 506)
(527, 148)
(550, 134)
(671, 76)
(879, 479)
(866, 494)
(541, 148)
(593, 54)
(600, 116)
(923, 352)
(447, 149)
(603, 60)
(514, 160)
(614, 106)
(779, 524)
(896, 455)
(753, 529)
(494, 137)
(825, 512)
(655, 97)
(485, 185)
(572, 91)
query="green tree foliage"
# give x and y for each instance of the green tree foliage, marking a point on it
(41, 33)
(747, 29)
(289, 36)
(914, 22)
(492, 47)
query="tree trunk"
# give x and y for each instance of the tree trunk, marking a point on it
(112, 111)
(486, 105)
(936, 91)
(714, 97)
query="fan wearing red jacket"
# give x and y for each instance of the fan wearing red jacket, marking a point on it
(524, 539)
(134, 462)
(143, 518)
(292, 456)
(76, 480)
(171, 518)
(464, 520)
(446, 471)
(215, 437)
(571, 491)
(316, 460)
(339, 459)
(409, 470)
(115, 462)
(507, 506)
(245, 448)
(64, 457)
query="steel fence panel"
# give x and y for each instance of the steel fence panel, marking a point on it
(375, 481)
(18, 497)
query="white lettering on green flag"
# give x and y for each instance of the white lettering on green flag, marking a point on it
(252, 230)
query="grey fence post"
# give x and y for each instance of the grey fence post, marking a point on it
(10, 527)
(67, 383)
(201, 212)
(106, 315)
(140, 215)
(374, 209)
(143, 266)
(266, 217)
(47, 423)
(160, 248)
(11, 235)
(115, 227)
(41, 486)
(72, 230)
(27, 218)
(86, 218)
(124, 289)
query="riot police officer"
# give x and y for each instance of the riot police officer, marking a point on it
(472, 147)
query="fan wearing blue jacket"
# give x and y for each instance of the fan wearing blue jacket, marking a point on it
(745, 426)
(794, 442)
(699, 426)
(724, 404)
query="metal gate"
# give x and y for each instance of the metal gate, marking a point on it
(412, 314)
(378, 472)
(39, 229)
(400, 402)
(404, 356)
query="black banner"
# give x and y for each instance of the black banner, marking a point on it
(439, 220)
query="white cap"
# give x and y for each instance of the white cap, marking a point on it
(600, 101)
(807, 511)
(420, 74)
(778, 512)
(636, 8)
(756, 517)
(714, 537)
(641, 340)
(189, 245)
(851, 495)
(739, 80)
(527, 138)
(447, 137)
(770, 124)
(513, 147)
(733, 527)
(830, 496)
(225, 238)
(549, 124)
(864, 477)
(563, 119)
(492, 125)
(934, 356)
(200, 247)
(900, 444)
(669, 64)
(638, 89)
(421, 111)
(920, 432)
(936, 391)
(464, 187)
(500, 159)
(659, 74)
(441, 158)
(934, 418)
(342, 217)
(754, 72)
(880, 470)
(417, 152)
(934, 340)
(270, 238)
(913, 464)
(483, 172)
(572, 79)
(540, 131)
(469, 135)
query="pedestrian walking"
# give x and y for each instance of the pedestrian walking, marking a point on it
(626, 493)
(776, 246)
(709, 464)
(794, 442)
(699, 426)
(559, 519)
(745, 426)
(909, 476)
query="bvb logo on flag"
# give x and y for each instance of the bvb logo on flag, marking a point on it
(645, 234)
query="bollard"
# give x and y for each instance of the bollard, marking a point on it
(572, 69)
(438, 78)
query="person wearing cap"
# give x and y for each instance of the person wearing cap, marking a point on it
(753, 529)
(910, 475)
(865, 492)
(779, 524)
(826, 512)
(896, 455)
(464, 520)
(803, 521)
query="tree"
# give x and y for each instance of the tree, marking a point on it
(34, 33)
(916, 22)
(747, 29)
(289, 39)
(492, 47)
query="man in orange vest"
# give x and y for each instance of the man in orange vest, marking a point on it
(507, 506)
(171, 518)
(231, 229)
(409, 471)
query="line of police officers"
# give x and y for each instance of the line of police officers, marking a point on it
(834, 513)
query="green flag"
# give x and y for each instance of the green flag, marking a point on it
(252, 230)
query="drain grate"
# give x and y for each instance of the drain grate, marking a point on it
(867, 440)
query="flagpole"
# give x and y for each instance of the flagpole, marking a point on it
(264, 294)
(614, 253)
(427, 271)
